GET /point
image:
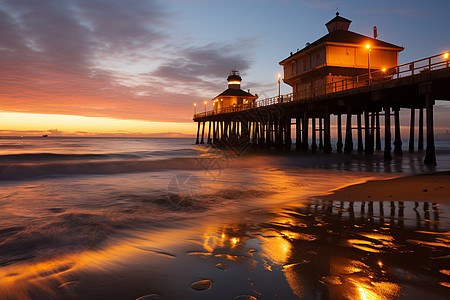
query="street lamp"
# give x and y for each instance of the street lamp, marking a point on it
(279, 86)
(446, 59)
(195, 108)
(205, 105)
(368, 60)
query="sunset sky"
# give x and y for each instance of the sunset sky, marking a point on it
(118, 67)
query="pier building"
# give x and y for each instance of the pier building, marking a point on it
(340, 74)
(234, 96)
(339, 55)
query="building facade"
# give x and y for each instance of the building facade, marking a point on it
(234, 96)
(322, 66)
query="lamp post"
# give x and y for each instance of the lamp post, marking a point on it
(446, 59)
(368, 60)
(279, 86)
(195, 108)
(205, 106)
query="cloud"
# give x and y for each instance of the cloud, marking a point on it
(105, 58)
(204, 67)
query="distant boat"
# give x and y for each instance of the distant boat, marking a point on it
(45, 135)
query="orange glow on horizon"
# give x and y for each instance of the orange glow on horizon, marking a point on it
(79, 125)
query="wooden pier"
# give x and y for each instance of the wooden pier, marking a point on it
(267, 123)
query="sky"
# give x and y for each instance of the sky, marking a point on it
(135, 67)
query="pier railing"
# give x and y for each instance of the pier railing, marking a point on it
(439, 61)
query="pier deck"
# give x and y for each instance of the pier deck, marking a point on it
(414, 85)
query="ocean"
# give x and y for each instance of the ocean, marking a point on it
(123, 218)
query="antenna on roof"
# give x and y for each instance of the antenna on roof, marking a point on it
(375, 33)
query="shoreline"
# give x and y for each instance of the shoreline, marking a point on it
(429, 187)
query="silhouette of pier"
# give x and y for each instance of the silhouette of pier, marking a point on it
(267, 123)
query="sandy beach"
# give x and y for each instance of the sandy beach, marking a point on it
(338, 246)
(433, 188)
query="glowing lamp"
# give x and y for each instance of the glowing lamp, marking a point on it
(446, 55)
(384, 70)
(367, 46)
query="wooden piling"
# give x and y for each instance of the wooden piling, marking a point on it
(203, 133)
(387, 132)
(411, 130)
(320, 134)
(327, 133)
(430, 155)
(305, 132)
(378, 131)
(209, 133)
(313, 135)
(298, 139)
(198, 133)
(420, 142)
(339, 144)
(348, 132)
(397, 138)
(359, 129)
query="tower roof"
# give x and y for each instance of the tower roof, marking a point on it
(338, 23)
(234, 76)
(235, 92)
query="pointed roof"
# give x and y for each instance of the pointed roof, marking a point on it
(338, 19)
(235, 92)
(346, 37)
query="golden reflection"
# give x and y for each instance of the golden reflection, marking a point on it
(276, 249)
(365, 294)
(375, 290)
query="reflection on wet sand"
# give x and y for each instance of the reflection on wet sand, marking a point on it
(322, 250)
(352, 250)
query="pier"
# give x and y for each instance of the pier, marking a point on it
(375, 98)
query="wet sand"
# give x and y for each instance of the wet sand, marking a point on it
(340, 246)
(433, 188)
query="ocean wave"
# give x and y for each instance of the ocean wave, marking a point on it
(62, 230)
(49, 156)
(22, 170)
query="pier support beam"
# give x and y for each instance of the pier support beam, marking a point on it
(268, 133)
(313, 135)
(198, 133)
(203, 133)
(378, 131)
(262, 140)
(430, 156)
(348, 132)
(420, 144)
(359, 129)
(298, 139)
(387, 132)
(367, 134)
(305, 132)
(320, 134)
(411, 130)
(209, 133)
(327, 133)
(339, 134)
(397, 140)
(288, 141)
